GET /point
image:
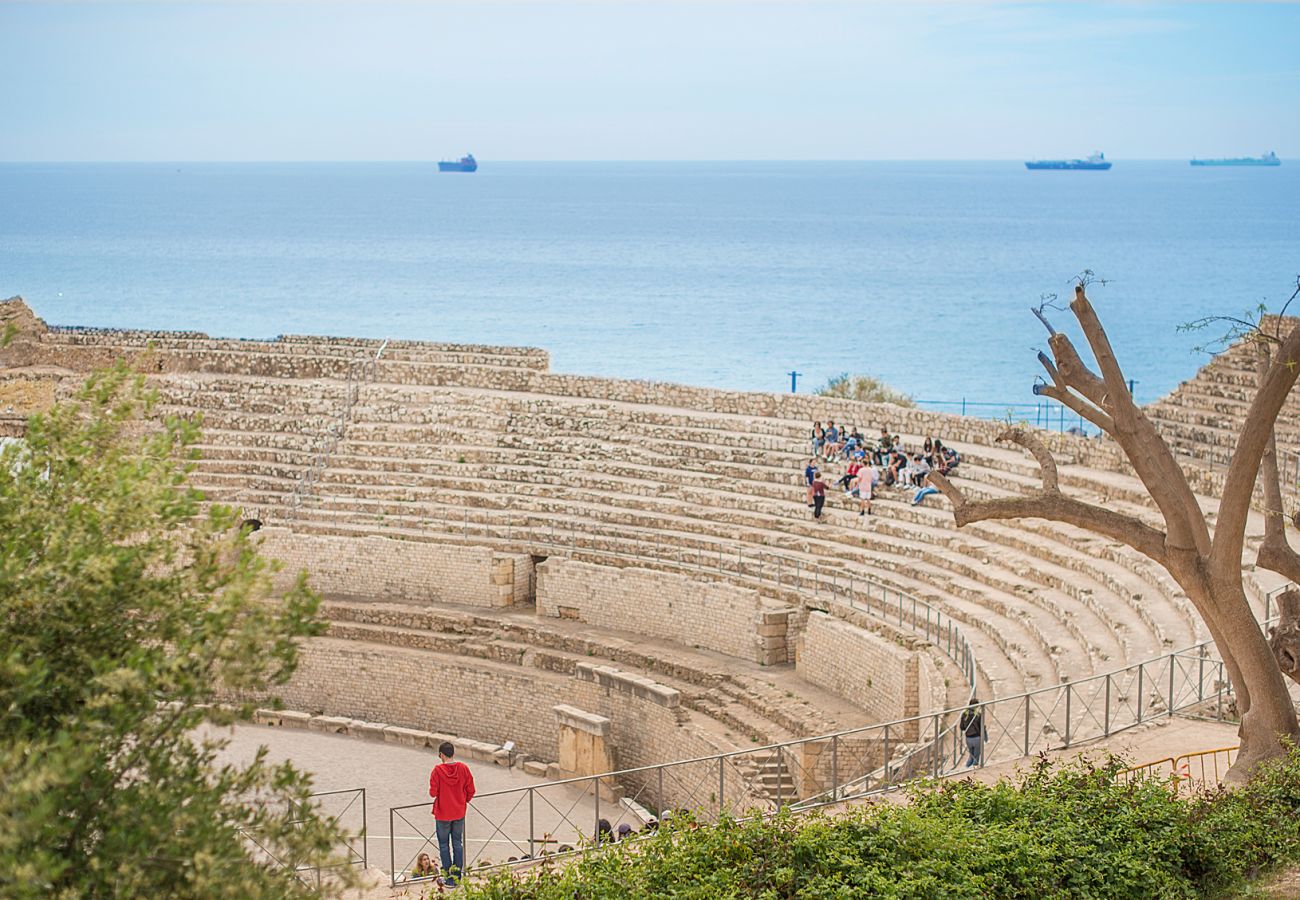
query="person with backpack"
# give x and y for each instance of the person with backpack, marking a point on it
(818, 488)
(451, 785)
(972, 726)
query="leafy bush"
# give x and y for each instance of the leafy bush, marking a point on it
(124, 607)
(1063, 831)
(864, 388)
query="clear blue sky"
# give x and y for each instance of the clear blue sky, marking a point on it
(653, 80)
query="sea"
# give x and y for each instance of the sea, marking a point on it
(723, 274)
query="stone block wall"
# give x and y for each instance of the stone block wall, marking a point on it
(648, 725)
(731, 620)
(489, 700)
(873, 673)
(415, 689)
(411, 571)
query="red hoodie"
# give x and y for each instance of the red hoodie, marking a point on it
(452, 787)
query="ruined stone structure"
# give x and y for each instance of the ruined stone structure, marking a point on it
(609, 570)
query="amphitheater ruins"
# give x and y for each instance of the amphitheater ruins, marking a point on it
(578, 575)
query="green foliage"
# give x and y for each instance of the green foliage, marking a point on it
(124, 610)
(864, 388)
(1062, 831)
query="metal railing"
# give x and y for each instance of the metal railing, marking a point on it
(807, 773)
(347, 809)
(1045, 414)
(1189, 772)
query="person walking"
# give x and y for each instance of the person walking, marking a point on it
(818, 488)
(451, 785)
(972, 726)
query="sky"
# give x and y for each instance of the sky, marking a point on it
(109, 81)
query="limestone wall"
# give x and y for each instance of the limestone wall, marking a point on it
(647, 726)
(411, 571)
(869, 671)
(732, 620)
(489, 700)
(432, 692)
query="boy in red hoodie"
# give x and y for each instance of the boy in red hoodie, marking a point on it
(452, 788)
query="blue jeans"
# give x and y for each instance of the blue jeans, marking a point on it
(974, 746)
(451, 832)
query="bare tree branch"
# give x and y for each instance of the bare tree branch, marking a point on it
(1256, 434)
(1275, 553)
(1050, 503)
(1046, 462)
(1077, 404)
(1146, 450)
(1075, 373)
(1060, 391)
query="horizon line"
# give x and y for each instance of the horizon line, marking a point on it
(430, 160)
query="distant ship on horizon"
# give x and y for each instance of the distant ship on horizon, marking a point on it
(1268, 159)
(1095, 161)
(466, 163)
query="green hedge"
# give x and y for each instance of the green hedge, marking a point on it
(1061, 831)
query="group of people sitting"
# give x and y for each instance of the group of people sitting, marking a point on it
(868, 465)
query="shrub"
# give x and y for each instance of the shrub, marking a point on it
(864, 388)
(1068, 830)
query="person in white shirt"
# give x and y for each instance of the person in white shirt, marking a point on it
(865, 485)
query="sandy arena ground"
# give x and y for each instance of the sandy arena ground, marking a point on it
(395, 775)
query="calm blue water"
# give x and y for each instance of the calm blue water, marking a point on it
(722, 274)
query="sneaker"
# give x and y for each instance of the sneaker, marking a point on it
(861, 513)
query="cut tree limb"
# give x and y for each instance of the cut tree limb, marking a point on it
(1284, 637)
(1050, 503)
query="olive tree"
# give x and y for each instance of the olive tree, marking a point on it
(1206, 564)
(126, 609)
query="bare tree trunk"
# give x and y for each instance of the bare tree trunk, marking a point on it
(1207, 568)
(1267, 713)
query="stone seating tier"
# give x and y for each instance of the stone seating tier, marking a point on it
(749, 701)
(699, 468)
(787, 475)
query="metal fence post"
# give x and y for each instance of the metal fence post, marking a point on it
(1172, 663)
(885, 754)
(365, 835)
(1141, 666)
(532, 824)
(722, 782)
(1200, 677)
(1069, 693)
(1026, 724)
(934, 753)
(392, 848)
(661, 791)
(1105, 728)
(835, 767)
(597, 822)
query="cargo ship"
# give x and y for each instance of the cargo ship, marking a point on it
(1095, 161)
(466, 163)
(1268, 159)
